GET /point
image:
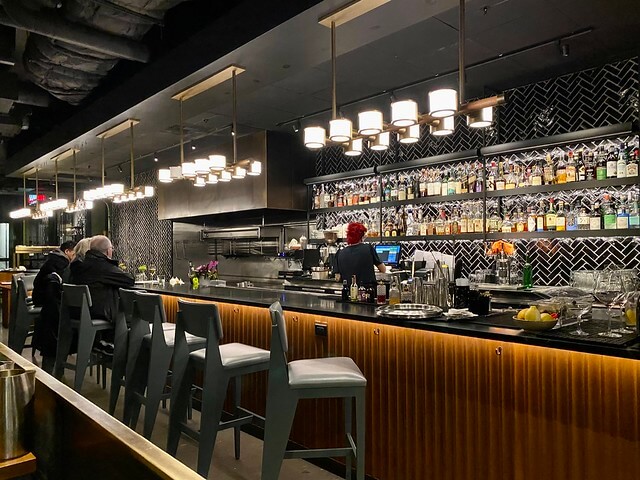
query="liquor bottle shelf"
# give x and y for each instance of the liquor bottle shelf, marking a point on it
(628, 232)
(346, 208)
(588, 184)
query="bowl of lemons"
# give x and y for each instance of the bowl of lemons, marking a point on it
(532, 320)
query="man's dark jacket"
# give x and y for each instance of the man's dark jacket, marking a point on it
(47, 290)
(104, 278)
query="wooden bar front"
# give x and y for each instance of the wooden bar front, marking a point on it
(443, 406)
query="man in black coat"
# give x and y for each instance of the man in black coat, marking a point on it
(47, 289)
(101, 273)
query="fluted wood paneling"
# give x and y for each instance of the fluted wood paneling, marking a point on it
(442, 406)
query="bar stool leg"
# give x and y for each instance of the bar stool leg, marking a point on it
(279, 417)
(214, 391)
(348, 428)
(183, 375)
(237, 382)
(135, 384)
(64, 346)
(158, 366)
(86, 337)
(360, 429)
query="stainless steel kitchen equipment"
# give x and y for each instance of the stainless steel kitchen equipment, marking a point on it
(409, 311)
(16, 390)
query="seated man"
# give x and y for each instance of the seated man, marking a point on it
(47, 288)
(101, 273)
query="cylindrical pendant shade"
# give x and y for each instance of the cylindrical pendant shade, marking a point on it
(202, 166)
(404, 113)
(188, 170)
(340, 130)
(88, 205)
(480, 119)
(20, 213)
(139, 193)
(370, 122)
(225, 176)
(255, 168)
(443, 103)
(445, 127)
(199, 182)
(131, 196)
(164, 175)
(314, 137)
(410, 135)
(212, 179)
(381, 142)
(217, 163)
(149, 191)
(116, 189)
(355, 148)
(117, 199)
(239, 172)
(176, 172)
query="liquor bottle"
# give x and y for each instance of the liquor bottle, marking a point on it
(572, 218)
(507, 224)
(495, 222)
(548, 172)
(608, 213)
(451, 183)
(634, 211)
(621, 164)
(561, 170)
(431, 226)
(595, 219)
(571, 169)
(394, 189)
(479, 178)
(423, 185)
(536, 175)
(561, 218)
(345, 291)
(527, 274)
(464, 221)
(531, 220)
(472, 177)
(520, 221)
(583, 219)
(540, 218)
(601, 167)
(353, 291)
(394, 293)
(464, 180)
(622, 217)
(423, 224)
(402, 188)
(492, 176)
(362, 294)
(612, 163)
(411, 187)
(440, 223)
(582, 167)
(632, 164)
(437, 184)
(500, 180)
(387, 191)
(511, 180)
(339, 198)
(589, 164)
(550, 217)
(477, 221)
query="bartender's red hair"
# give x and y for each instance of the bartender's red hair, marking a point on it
(355, 232)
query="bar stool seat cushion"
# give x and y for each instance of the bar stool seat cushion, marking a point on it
(325, 372)
(170, 336)
(34, 310)
(235, 355)
(94, 322)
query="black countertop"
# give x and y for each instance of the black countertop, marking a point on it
(329, 306)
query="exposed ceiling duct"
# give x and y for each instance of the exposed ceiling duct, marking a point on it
(75, 43)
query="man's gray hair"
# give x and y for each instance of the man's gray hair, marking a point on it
(100, 243)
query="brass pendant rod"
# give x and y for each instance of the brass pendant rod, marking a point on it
(74, 177)
(102, 159)
(181, 135)
(37, 202)
(234, 119)
(24, 190)
(131, 156)
(461, 59)
(56, 170)
(334, 98)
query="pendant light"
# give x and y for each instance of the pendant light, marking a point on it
(410, 134)
(217, 162)
(370, 122)
(381, 142)
(78, 204)
(444, 126)
(25, 211)
(38, 213)
(355, 148)
(255, 168)
(480, 118)
(404, 113)
(58, 203)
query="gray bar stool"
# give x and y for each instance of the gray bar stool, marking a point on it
(77, 298)
(337, 377)
(21, 325)
(148, 359)
(220, 363)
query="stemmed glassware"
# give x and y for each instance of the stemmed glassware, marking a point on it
(608, 291)
(580, 306)
(629, 303)
(152, 270)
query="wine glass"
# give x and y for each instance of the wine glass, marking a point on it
(607, 290)
(628, 303)
(152, 270)
(580, 306)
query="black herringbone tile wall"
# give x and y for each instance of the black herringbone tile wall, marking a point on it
(138, 236)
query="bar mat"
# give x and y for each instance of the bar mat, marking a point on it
(593, 328)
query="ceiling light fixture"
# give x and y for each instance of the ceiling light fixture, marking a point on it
(444, 103)
(105, 191)
(58, 203)
(25, 211)
(79, 204)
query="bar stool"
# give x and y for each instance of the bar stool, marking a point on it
(337, 377)
(220, 363)
(21, 326)
(148, 360)
(78, 298)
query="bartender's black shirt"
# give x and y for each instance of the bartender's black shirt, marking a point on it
(359, 260)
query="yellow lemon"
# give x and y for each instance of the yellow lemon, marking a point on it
(545, 317)
(521, 313)
(532, 315)
(631, 317)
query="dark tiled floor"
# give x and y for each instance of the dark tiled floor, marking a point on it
(224, 465)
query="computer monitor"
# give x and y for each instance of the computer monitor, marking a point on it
(389, 254)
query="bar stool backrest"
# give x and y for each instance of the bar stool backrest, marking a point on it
(75, 296)
(127, 299)
(148, 309)
(14, 301)
(279, 344)
(28, 282)
(193, 314)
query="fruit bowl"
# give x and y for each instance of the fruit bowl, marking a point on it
(536, 325)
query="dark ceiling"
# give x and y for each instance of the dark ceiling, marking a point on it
(410, 43)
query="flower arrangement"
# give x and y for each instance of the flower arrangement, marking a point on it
(209, 270)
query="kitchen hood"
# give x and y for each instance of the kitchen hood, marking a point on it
(285, 164)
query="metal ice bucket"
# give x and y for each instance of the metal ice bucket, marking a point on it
(16, 390)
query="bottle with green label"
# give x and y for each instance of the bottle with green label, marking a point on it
(527, 274)
(609, 213)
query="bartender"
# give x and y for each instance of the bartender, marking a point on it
(358, 258)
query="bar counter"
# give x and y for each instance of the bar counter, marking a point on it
(451, 400)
